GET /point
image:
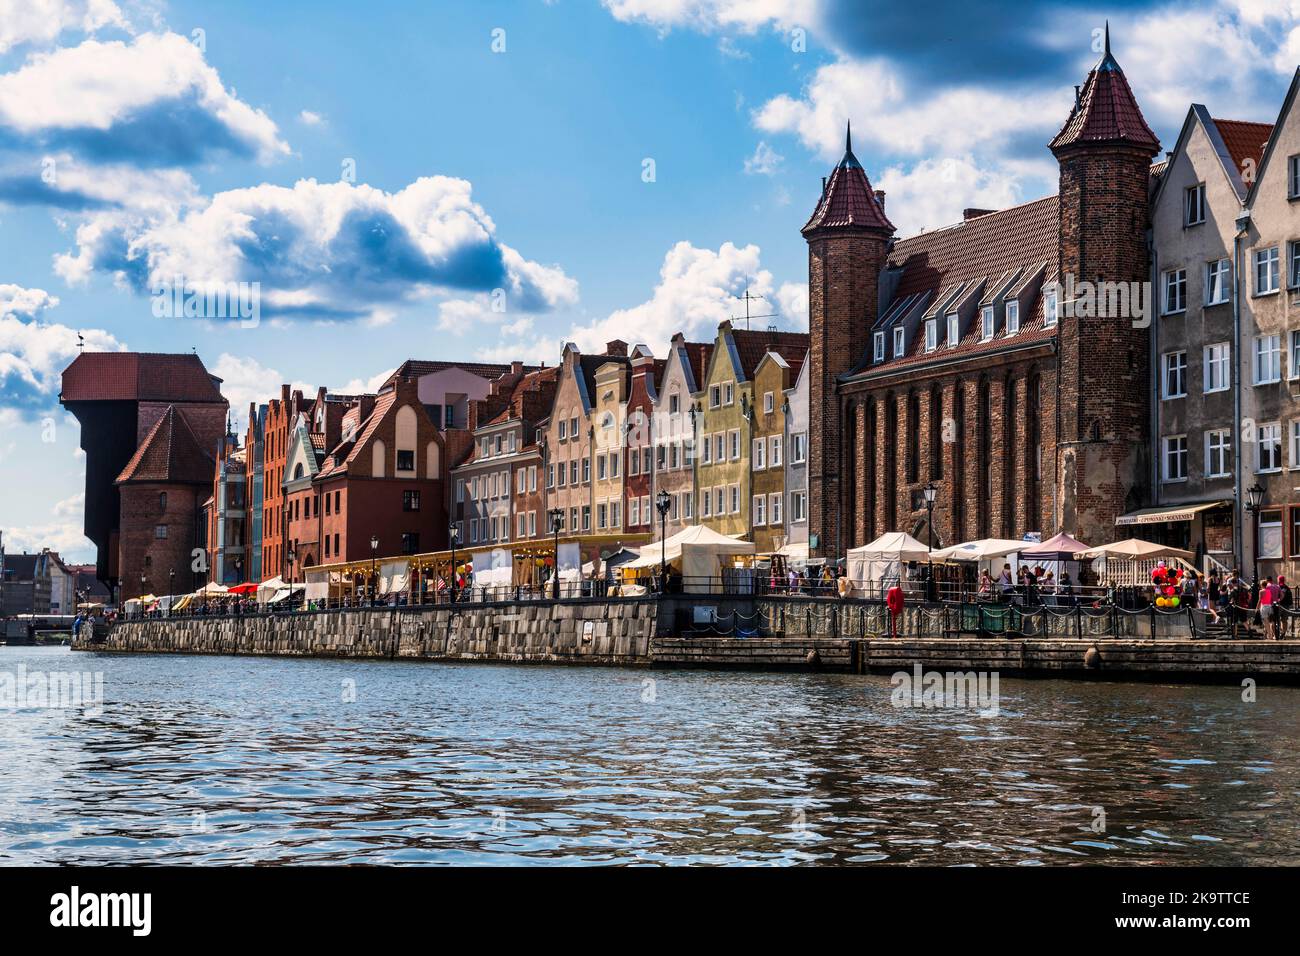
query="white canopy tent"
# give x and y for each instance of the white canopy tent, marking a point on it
(985, 549)
(697, 551)
(1136, 549)
(880, 563)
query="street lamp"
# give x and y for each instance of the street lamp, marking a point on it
(1254, 498)
(557, 521)
(291, 556)
(662, 502)
(374, 550)
(453, 534)
(171, 581)
(929, 492)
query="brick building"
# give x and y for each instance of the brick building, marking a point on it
(639, 485)
(952, 357)
(143, 505)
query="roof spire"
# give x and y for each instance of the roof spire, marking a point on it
(848, 137)
(1108, 37)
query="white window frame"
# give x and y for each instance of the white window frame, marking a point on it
(954, 330)
(759, 505)
(1274, 430)
(760, 454)
(1293, 177)
(1175, 364)
(1216, 363)
(1011, 316)
(1269, 346)
(1194, 205)
(1051, 309)
(878, 341)
(1267, 269)
(931, 334)
(899, 341)
(1218, 275)
(986, 324)
(774, 509)
(1218, 443)
(1173, 291)
(1173, 448)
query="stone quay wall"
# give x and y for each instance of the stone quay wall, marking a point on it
(579, 632)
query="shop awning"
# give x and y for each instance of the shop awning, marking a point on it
(1184, 512)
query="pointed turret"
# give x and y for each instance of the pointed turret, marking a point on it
(1106, 112)
(847, 199)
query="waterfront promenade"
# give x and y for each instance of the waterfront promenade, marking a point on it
(732, 632)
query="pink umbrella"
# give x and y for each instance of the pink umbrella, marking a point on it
(1060, 547)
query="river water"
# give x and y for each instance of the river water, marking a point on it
(226, 760)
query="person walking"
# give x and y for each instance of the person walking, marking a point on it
(1005, 585)
(895, 602)
(985, 592)
(1284, 604)
(1268, 597)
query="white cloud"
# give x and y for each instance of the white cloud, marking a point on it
(933, 192)
(765, 160)
(71, 507)
(745, 16)
(322, 250)
(310, 118)
(364, 385)
(792, 303)
(66, 537)
(887, 115)
(113, 99)
(33, 353)
(246, 380)
(42, 21)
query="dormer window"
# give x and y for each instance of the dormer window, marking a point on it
(1293, 177)
(1194, 205)
(953, 330)
(1049, 308)
(986, 323)
(898, 342)
(1013, 316)
(878, 346)
(931, 334)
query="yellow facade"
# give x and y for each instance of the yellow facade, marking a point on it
(723, 469)
(767, 454)
(608, 414)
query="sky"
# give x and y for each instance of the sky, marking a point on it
(489, 180)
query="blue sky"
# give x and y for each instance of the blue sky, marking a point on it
(504, 146)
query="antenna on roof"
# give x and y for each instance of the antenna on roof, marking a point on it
(752, 298)
(81, 342)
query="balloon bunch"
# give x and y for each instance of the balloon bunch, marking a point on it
(1166, 581)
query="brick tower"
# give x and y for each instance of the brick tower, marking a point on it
(848, 238)
(1104, 151)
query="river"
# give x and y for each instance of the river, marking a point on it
(239, 760)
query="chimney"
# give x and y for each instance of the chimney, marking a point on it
(968, 214)
(880, 198)
(516, 368)
(616, 348)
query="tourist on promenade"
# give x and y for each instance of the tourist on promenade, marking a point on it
(1066, 589)
(1268, 596)
(894, 601)
(1207, 598)
(985, 591)
(1284, 603)
(1005, 584)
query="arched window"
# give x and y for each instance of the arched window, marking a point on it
(297, 470)
(162, 501)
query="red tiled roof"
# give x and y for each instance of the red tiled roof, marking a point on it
(169, 453)
(413, 369)
(138, 377)
(848, 199)
(983, 247)
(752, 346)
(1106, 111)
(1245, 140)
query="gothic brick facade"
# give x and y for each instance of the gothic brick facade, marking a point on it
(955, 357)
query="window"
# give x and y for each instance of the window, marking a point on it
(613, 465)
(160, 531)
(674, 403)
(767, 403)
(878, 346)
(410, 501)
(798, 506)
(931, 334)
(898, 342)
(1218, 453)
(706, 504)
(586, 517)
(532, 477)
(798, 448)
(573, 472)
(760, 454)
(562, 475)
(734, 435)
(707, 457)
(715, 396)
(521, 525)
(775, 457)
(573, 427)
(688, 505)
(1013, 317)
(616, 514)
(1293, 177)
(327, 546)
(774, 509)
(1216, 282)
(954, 326)
(719, 454)
(1049, 308)
(410, 542)
(523, 481)
(1270, 533)
(1269, 457)
(460, 487)
(1175, 286)
(162, 501)
(532, 523)
(728, 393)
(1266, 271)
(634, 463)
(1174, 374)
(586, 470)
(1194, 205)
(1295, 443)
(735, 499)
(600, 516)
(563, 429)
(600, 467)
(1268, 359)
(1216, 367)
(550, 475)
(1175, 458)
(986, 323)
(760, 509)
(717, 501)
(1294, 358)
(634, 511)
